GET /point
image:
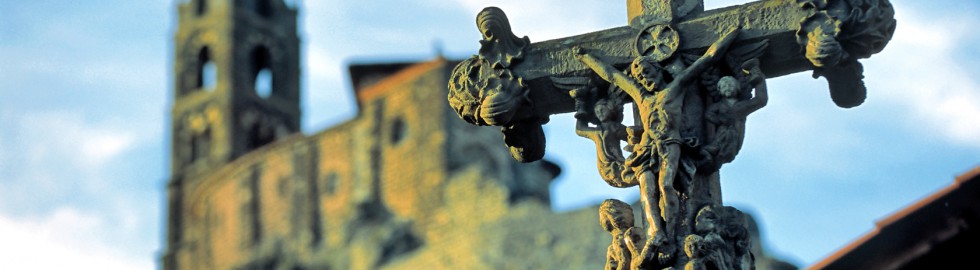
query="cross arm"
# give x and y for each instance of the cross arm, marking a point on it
(786, 24)
(512, 80)
(826, 36)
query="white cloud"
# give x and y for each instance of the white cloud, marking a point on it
(56, 135)
(322, 64)
(99, 146)
(66, 239)
(925, 75)
(53, 157)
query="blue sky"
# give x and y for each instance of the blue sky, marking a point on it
(85, 96)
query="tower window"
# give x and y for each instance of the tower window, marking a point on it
(207, 71)
(209, 76)
(200, 6)
(398, 130)
(263, 8)
(263, 78)
(263, 83)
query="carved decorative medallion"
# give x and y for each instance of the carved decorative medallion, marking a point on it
(659, 41)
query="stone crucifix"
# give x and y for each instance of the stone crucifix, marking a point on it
(693, 77)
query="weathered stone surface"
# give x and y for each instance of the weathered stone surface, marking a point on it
(690, 103)
(795, 29)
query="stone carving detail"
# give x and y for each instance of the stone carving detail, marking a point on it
(659, 41)
(484, 96)
(725, 116)
(663, 151)
(720, 240)
(607, 115)
(691, 97)
(616, 217)
(837, 34)
(839, 29)
(500, 47)
(484, 91)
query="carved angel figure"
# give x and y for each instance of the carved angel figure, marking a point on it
(607, 135)
(616, 217)
(724, 240)
(707, 249)
(726, 117)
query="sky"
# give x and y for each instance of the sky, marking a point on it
(85, 99)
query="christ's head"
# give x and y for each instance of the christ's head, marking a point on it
(647, 72)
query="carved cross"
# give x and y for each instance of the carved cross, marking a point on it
(825, 36)
(669, 51)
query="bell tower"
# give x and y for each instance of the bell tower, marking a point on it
(236, 88)
(236, 80)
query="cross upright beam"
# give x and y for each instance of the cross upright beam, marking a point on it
(641, 12)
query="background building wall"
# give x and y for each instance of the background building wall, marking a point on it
(371, 191)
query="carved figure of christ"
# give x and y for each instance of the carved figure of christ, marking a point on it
(659, 107)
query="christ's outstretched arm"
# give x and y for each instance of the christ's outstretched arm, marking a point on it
(609, 73)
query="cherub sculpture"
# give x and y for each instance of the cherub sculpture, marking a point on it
(616, 217)
(720, 240)
(607, 135)
(706, 249)
(726, 116)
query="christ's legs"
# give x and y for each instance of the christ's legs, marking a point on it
(649, 197)
(670, 154)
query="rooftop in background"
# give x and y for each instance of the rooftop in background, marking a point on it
(938, 231)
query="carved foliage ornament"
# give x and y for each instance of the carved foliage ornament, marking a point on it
(484, 96)
(845, 29)
(484, 91)
(838, 33)
(854, 28)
